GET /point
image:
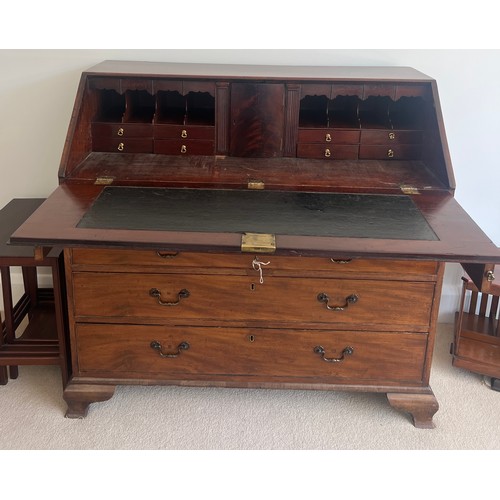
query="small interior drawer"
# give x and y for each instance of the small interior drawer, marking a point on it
(388, 152)
(390, 137)
(103, 129)
(122, 145)
(327, 152)
(327, 136)
(183, 146)
(183, 132)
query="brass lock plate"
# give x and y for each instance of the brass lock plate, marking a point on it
(258, 243)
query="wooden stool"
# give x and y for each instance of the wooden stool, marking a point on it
(476, 345)
(43, 340)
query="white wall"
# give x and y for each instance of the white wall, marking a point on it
(37, 91)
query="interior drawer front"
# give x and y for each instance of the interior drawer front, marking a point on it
(183, 146)
(122, 145)
(327, 152)
(122, 129)
(167, 259)
(391, 137)
(360, 303)
(183, 132)
(328, 136)
(388, 152)
(126, 351)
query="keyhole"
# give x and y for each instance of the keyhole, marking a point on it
(252, 287)
(251, 338)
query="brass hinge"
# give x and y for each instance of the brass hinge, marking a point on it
(410, 190)
(254, 184)
(104, 180)
(258, 243)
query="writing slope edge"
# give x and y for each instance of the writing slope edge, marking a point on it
(459, 239)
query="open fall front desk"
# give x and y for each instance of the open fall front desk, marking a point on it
(264, 227)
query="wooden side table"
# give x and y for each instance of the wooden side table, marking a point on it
(33, 330)
(476, 345)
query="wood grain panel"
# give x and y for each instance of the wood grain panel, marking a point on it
(257, 120)
(125, 351)
(380, 304)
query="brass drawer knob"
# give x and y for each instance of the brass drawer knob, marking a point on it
(184, 134)
(390, 153)
(490, 276)
(121, 146)
(328, 153)
(392, 136)
(120, 131)
(348, 351)
(328, 138)
(183, 149)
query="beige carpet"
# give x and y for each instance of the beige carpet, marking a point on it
(173, 418)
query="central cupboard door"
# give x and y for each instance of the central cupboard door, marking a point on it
(257, 119)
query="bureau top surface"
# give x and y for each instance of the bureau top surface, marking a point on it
(353, 73)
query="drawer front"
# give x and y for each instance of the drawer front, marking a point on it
(388, 137)
(183, 146)
(122, 145)
(126, 351)
(183, 132)
(122, 129)
(328, 136)
(480, 348)
(396, 152)
(183, 297)
(214, 262)
(328, 152)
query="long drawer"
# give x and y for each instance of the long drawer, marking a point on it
(172, 261)
(159, 352)
(364, 304)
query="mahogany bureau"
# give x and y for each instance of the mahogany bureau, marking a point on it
(270, 227)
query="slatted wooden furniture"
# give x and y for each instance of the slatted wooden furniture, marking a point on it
(272, 227)
(476, 345)
(33, 329)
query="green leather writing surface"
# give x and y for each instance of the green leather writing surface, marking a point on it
(277, 212)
